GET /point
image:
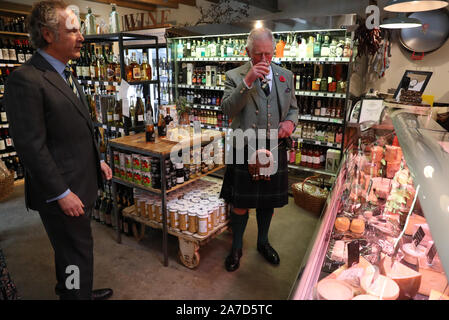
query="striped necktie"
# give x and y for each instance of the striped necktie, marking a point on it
(70, 80)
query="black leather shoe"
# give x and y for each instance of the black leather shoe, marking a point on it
(268, 253)
(232, 261)
(101, 294)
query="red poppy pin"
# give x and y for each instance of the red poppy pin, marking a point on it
(281, 79)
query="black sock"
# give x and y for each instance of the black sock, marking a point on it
(263, 216)
(238, 225)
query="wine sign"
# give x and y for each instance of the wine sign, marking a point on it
(145, 20)
(418, 236)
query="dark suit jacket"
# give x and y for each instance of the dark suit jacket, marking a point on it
(53, 135)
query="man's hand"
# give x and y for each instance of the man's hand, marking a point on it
(71, 205)
(106, 171)
(257, 71)
(285, 129)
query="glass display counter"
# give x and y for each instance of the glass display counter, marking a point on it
(383, 232)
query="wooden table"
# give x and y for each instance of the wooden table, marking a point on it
(162, 148)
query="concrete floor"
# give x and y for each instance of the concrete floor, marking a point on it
(135, 270)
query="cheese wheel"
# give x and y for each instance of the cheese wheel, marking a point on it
(382, 287)
(357, 226)
(365, 297)
(412, 253)
(342, 224)
(407, 279)
(331, 289)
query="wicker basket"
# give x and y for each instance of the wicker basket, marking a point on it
(306, 198)
(6, 186)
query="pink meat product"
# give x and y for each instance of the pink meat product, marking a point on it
(377, 153)
(391, 153)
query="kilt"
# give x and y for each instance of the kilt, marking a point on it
(241, 191)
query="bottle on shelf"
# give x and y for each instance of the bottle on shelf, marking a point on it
(150, 134)
(114, 20)
(90, 25)
(135, 67)
(139, 112)
(310, 46)
(146, 68)
(325, 47)
(12, 52)
(280, 48)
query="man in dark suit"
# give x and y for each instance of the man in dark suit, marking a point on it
(54, 137)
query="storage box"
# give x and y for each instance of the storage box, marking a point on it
(332, 160)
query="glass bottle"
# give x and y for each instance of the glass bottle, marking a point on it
(135, 67)
(179, 50)
(114, 20)
(139, 112)
(325, 47)
(161, 125)
(333, 48)
(317, 46)
(150, 134)
(287, 47)
(340, 48)
(93, 64)
(347, 52)
(310, 46)
(323, 78)
(146, 68)
(280, 48)
(90, 24)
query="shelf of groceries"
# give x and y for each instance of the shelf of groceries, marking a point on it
(374, 241)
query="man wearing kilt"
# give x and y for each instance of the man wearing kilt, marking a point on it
(260, 98)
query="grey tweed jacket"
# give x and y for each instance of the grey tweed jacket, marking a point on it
(250, 108)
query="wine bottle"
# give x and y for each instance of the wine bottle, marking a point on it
(139, 112)
(161, 125)
(149, 125)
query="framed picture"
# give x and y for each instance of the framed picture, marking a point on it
(414, 81)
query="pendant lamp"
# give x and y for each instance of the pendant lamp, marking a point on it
(400, 22)
(414, 5)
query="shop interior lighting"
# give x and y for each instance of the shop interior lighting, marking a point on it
(400, 22)
(428, 171)
(258, 25)
(414, 5)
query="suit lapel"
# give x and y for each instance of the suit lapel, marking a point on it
(281, 88)
(56, 80)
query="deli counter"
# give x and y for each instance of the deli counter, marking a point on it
(384, 230)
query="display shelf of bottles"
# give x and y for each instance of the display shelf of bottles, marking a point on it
(313, 60)
(321, 119)
(318, 143)
(8, 154)
(191, 86)
(207, 107)
(214, 59)
(158, 191)
(307, 169)
(320, 94)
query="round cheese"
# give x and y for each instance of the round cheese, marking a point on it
(331, 289)
(382, 287)
(357, 226)
(412, 253)
(342, 224)
(406, 278)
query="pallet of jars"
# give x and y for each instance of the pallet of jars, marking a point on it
(195, 214)
(146, 171)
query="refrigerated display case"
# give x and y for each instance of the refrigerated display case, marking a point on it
(398, 247)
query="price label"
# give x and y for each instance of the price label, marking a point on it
(121, 130)
(324, 94)
(113, 129)
(104, 126)
(97, 83)
(418, 236)
(115, 84)
(201, 87)
(431, 253)
(9, 65)
(353, 252)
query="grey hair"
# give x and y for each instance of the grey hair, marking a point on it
(44, 14)
(259, 34)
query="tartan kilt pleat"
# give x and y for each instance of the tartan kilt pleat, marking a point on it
(242, 192)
